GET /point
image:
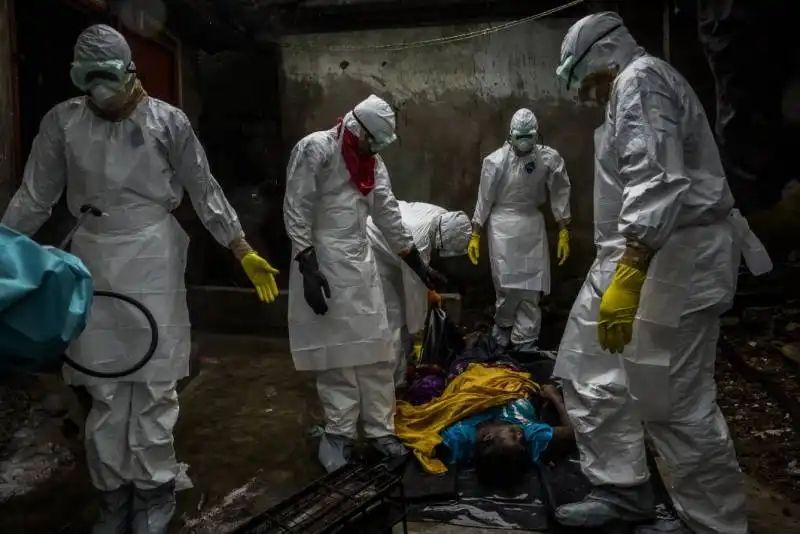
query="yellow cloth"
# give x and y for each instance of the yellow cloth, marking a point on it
(478, 388)
(618, 308)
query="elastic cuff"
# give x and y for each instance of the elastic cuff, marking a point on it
(241, 248)
(637, 255)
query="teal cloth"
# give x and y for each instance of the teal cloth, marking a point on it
(460, 438)
(45, 298)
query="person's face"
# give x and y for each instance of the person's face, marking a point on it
(364, 144)
(597, 86)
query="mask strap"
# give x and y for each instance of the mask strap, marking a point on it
(366, 130)
(586, 52)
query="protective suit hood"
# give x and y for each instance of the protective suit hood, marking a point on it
(522, 132)
(378, 117)
(102, 43)
(455, 230)
(102, 49)
(523, 123)
(594, 43)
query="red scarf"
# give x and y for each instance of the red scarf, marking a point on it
(361, 168)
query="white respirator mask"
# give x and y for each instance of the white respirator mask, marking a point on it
(102, 95)
(524, 145)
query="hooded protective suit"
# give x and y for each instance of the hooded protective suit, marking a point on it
(136, 170)
(512, 190)
(431, 227)
(350, 346)
(658, 181)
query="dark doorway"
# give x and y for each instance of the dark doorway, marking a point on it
(46, 31)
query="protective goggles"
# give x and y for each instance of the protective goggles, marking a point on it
(111, 73)
(568, 71)
(520, 136)
(376, 144)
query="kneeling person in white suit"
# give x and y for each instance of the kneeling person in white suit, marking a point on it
(435, 231)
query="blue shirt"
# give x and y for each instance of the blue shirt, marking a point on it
(460, 438)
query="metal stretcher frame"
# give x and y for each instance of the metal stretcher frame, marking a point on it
(335, 503)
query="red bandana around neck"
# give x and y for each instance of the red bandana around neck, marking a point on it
(361, 168)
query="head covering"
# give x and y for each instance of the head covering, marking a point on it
(378, 118)
(594, 43)
(455, 230)
(102, 43)
(524, 123)
(102, 49)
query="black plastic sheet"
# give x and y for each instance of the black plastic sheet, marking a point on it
(458, 499)
(471, 505)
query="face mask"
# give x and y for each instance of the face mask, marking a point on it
(523, 145)
(102, 95)
(375, 146)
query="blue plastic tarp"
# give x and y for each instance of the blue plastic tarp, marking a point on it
(45, 298)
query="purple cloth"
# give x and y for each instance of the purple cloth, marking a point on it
(427, 383)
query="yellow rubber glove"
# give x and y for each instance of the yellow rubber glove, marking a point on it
(474, 249)
(563, 246)
(434, 299)
(418, 349)
(618, 308)
(262, 276)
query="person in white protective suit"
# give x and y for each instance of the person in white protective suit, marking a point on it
(435, 231)
(515, 182)
(337, 313)
(639, 347)
(132, 156)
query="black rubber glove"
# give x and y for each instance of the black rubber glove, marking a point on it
(430, 277)
(315, 286)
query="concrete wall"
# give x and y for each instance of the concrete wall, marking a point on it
(454, 105)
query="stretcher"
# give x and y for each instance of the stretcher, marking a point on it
(357, 499)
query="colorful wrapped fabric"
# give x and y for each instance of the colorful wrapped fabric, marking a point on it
(479, 388)
(427, 383)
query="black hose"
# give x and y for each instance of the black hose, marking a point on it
(151, 322)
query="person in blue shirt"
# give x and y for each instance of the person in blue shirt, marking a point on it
(503, 442)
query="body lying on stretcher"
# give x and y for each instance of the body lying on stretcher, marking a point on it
(489, 417)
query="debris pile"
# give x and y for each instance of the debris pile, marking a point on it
(758, 377)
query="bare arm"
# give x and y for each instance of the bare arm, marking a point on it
(563, 434)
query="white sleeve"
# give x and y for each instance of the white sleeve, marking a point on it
(559, 187)
(302, 171)
(386, 212)
(192, 171)
(649, 150)
(486, 192)
(43, 181)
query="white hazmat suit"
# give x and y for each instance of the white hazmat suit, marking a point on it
(658, 181)
(350, 346)
(432, 228)
(512, 190)
(136, 171)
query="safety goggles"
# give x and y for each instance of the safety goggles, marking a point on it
(376, 144)
(111, 73)
(570, 71)
(522, 136)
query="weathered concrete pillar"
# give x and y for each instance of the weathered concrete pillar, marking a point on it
(7, 108)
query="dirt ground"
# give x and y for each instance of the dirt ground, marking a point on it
(766, 435)
(246, 433)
